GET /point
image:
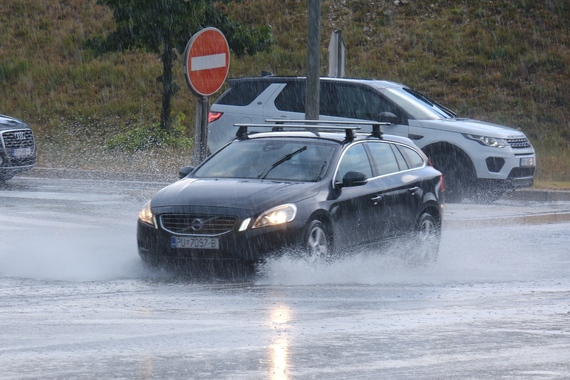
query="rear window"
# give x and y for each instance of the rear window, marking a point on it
(243, 93)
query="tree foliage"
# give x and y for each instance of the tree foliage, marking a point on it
(164, 27)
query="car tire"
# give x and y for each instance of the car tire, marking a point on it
(428, 236)
(318, 243)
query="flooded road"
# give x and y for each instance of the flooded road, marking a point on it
(76, 302)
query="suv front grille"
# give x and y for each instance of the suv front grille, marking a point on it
(519, 143)
(197, 224)
(23, 138)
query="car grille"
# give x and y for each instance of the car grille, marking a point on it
(17, 139)
(518, 143)
(197, 224)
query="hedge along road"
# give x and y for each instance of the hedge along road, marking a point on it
(77, 303)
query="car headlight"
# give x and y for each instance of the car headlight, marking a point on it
(146, 215)
(487, 141)
(276, 215)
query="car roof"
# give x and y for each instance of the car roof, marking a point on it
(279, 79)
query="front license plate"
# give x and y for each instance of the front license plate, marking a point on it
(194, 242)
(527, 161)
(21, 152)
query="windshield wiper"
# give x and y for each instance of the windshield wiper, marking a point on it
(286, 157)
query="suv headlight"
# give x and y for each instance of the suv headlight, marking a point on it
(277, 215)
(487, 141)
(146, 215)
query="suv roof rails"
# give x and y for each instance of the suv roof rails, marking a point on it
(376, 125)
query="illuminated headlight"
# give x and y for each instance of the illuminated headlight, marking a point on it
(487, 141)
(276, 215)
(146, 216)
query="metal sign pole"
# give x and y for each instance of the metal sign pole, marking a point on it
(312, 96)
(200, 130)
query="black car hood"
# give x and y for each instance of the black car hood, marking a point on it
(250, 195)
(7, 122)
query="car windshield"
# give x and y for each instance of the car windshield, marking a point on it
(418, 106)
(275, 159)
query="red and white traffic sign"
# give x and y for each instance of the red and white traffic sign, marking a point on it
(207, 61)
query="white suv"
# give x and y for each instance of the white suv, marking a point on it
(479, 160)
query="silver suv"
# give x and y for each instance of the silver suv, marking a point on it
(17, 147)
(479, 160)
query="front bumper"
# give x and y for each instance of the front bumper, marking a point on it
(154, 245)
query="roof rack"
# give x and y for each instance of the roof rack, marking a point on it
(315, 126)
(376, 125)
(348, 129)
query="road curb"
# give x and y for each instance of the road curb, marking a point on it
(545, 218)
(539, 195)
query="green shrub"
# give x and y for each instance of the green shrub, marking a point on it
(150, 136)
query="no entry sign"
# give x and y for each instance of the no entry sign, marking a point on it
(206, 61)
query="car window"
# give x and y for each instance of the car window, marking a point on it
(292, 98)
(336, 99)
(401, 160)
(383, 158)
(412, 157)
(356, 102)
(354, 159)
(415, 106)
(243, 93)
(276, 159)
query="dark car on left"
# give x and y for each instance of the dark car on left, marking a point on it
(17, 147)
(320, 191)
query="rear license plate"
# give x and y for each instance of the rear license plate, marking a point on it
(21, 152)
(194, 242)
(527, 161)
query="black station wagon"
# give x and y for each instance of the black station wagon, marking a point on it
(307, 188)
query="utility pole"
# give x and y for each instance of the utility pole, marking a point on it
(312, 96)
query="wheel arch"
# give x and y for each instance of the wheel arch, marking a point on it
(325, 218)
(446, 149)
(433, 209)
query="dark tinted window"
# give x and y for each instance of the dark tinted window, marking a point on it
(401, 161)
(383, 158)
(355, 159)
(292, 98)
(412, 157)
(243, 93)
(357, 102)
(337, 99)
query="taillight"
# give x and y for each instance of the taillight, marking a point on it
(213, 116)
(442, 182)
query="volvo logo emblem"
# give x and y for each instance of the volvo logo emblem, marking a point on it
(19, 135)
(197, 224)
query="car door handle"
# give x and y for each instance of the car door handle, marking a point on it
(376, 199)
(412, 190)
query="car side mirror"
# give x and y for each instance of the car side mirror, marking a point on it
(352, 179)
(388, 117)
(183, 172)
